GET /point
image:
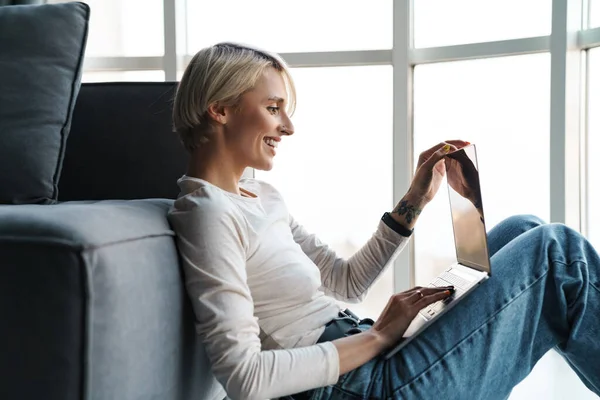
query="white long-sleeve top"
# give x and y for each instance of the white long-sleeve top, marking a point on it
(262, 287)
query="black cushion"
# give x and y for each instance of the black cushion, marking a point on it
(122, 144)
(41, 53)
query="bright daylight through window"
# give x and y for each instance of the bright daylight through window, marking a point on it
(445, 23)
(282, 26)
(594, 16)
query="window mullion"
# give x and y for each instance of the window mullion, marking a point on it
(584, 149)
(469, 51)
(402, 131)
(170, 30)
(565, 137)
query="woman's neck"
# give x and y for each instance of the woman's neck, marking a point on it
(216, 168)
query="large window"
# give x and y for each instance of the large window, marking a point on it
(502, 105)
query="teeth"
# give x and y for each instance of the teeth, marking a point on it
(270, 142)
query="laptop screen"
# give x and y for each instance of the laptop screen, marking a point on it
(467, 209)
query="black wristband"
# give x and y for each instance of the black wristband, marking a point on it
(395, 226)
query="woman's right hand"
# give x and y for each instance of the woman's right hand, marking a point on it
(402, 308)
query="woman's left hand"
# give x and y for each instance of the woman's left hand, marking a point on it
(431, 170)
(463, 177)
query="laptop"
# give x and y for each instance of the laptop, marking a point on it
(472, 266)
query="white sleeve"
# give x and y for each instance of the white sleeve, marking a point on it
(349, 280)
(212, 242)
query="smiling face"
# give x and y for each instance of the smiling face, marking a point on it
(254, 127)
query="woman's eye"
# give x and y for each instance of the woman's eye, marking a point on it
(273, 110)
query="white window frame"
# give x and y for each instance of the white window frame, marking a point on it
(568, 150)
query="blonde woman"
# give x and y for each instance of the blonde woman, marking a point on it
(263, 289)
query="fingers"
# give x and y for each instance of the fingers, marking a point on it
(433, 290)
(425, 290)
(454, 142)
(439, 154)
(431, 298)
(423, 293)
(425, 155)
(410, 291)
(458, 143)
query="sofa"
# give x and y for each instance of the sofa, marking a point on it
(92, 304)
(91, 295)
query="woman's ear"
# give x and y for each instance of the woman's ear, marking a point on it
(217, 113)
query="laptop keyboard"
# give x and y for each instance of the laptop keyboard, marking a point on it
(453, 280)
(446, 279)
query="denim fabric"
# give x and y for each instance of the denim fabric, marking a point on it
(544, 293)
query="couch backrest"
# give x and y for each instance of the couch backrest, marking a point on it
(121, 144)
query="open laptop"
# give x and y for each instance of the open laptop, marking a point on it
(470, 240)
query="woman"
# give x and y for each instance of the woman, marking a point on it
(262, 287)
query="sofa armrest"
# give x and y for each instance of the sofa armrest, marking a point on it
(93, 306)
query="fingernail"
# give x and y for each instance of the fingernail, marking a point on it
(447, 292)
(468, 143)
(446, 148)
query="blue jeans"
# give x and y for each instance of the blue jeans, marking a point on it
(544, 293)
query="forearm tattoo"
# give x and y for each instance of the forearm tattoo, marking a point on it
(408, 210)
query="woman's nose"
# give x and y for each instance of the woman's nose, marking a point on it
(287, 128)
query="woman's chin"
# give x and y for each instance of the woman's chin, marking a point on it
(264, 165)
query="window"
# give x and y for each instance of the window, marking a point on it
(335, 172)
(502, 106)
(594, 17)
(593, 138)
(443, 22)
(291, 26)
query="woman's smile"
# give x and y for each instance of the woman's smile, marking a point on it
(271, 143)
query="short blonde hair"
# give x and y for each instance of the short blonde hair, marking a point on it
(220, 74)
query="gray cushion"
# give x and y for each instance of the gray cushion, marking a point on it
(41, 52)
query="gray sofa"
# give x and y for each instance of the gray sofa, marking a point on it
(92, 304)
